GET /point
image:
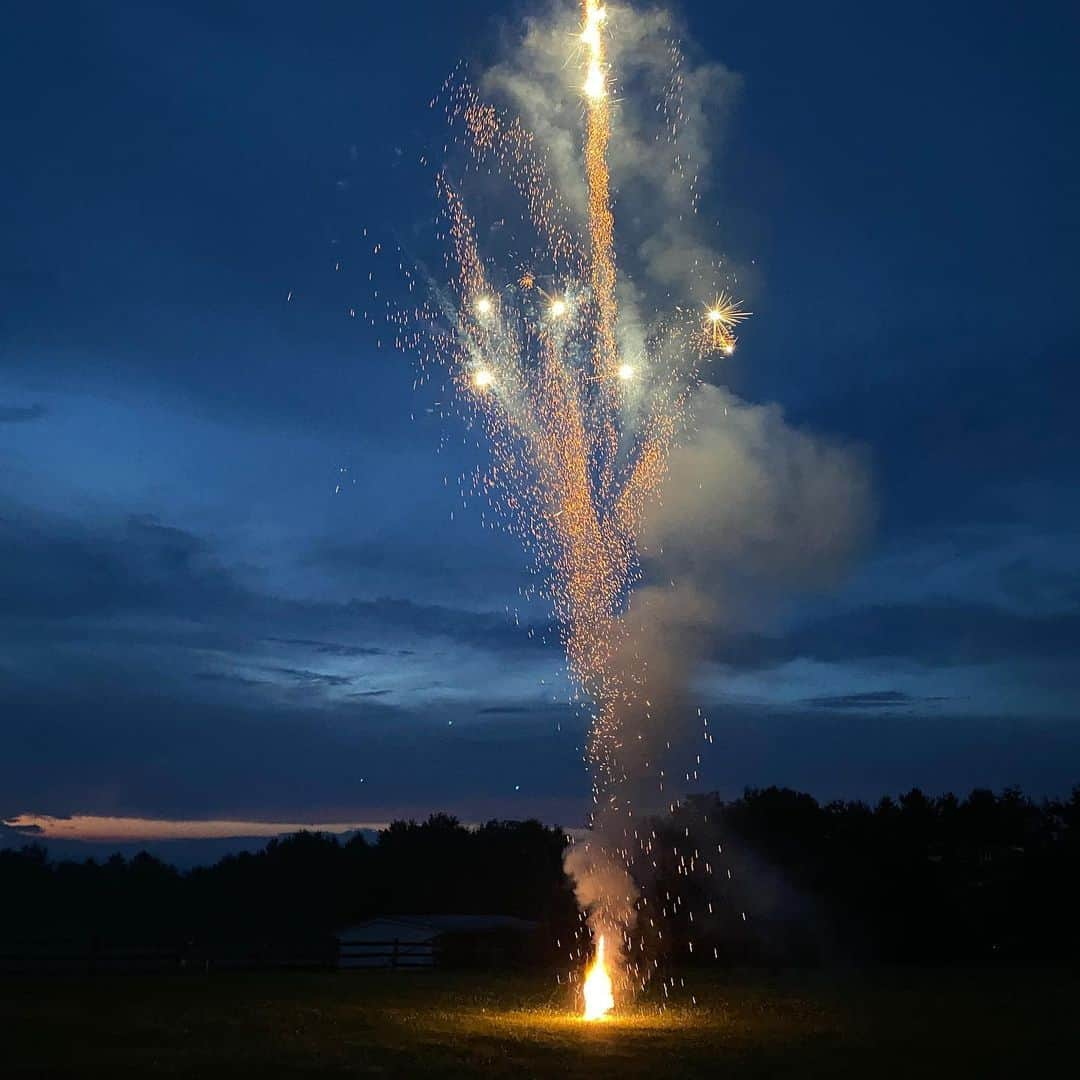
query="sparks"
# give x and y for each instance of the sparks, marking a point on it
(482, 378)
(626, 372)
(721, 318)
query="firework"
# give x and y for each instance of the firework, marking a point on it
(721, 318)
(579, 433)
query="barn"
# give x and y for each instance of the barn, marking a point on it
(426, 941)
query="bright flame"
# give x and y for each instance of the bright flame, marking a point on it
(483, 305)
(626, 372)
(599, 1000)
(483, 379)
(558, 308)
(594, 82)
(594, 16)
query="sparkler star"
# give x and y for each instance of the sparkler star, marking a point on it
(721, 318)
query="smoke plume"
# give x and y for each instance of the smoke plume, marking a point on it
(753, 508)
(754, 511)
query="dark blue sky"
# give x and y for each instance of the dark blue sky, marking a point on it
(230, 584)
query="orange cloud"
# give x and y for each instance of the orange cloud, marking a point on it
(120, 829)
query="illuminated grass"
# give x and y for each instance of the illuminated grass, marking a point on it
(427, 1024)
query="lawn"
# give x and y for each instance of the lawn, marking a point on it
(880, 1024)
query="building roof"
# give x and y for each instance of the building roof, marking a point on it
(421, 927)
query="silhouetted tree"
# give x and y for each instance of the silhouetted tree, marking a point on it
(770, 877)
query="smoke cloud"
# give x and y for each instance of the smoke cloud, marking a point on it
(751, 499)
(753, 512)
(753, 509)
(604, 888)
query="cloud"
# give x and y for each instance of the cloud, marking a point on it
(310, 678)
(21, 414)
(89, 827)
(228, 677)
(486, 630)
(164, 751)
(335, 648)
(138, 669)
(138, 675)
(870, 699)
(15, 829)
(1029, 585)
(56, 568)
(54, 571)
(938, 633)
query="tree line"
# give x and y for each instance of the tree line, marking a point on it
(991, 878)
(772, 877)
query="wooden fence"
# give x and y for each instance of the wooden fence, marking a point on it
(360, 953)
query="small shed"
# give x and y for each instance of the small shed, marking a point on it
(424, 941)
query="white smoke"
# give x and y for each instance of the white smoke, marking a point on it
(604, 888)
(752, 507)
(668, 121)
(753, 512)
(749, 498)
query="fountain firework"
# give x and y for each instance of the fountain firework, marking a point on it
(579, 427)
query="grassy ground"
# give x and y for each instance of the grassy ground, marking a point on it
(425, 1024)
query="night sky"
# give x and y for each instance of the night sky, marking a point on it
(230, 583)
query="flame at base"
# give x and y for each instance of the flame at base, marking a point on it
(599, 1000)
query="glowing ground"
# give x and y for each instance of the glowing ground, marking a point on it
(881, 1025)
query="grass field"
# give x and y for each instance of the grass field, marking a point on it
(911, 1024)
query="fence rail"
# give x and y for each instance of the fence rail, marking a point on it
(393, 954)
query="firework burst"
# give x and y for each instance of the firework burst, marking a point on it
(721, 318)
